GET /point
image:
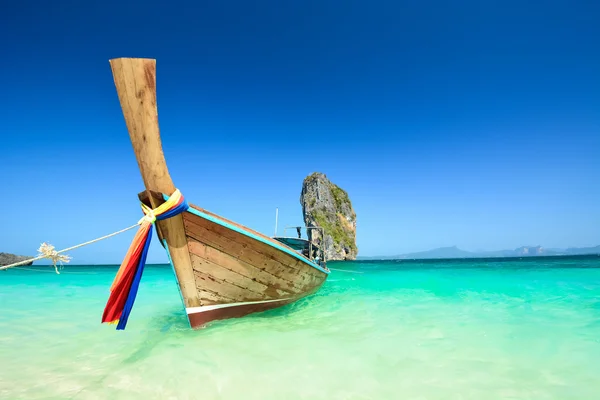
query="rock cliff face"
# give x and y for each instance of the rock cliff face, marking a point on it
(326, 205)
(6, 259)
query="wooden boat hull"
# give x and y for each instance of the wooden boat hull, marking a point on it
(239, 271)
(223, 269)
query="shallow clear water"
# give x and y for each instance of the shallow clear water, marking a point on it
(473, 329)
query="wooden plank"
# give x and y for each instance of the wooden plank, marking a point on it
(244, 268)
(208, 298)
(270, 284)
(216, 271)
(243, 251)
(226, 289)
(247, 248)
(274, 252)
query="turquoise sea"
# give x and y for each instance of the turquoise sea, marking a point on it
(448, 329)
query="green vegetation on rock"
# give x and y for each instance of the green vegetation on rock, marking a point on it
(340, 235)
(328, 206)
(339, 195)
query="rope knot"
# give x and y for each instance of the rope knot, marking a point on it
(46, 250)
(149, 217)
(174, 205)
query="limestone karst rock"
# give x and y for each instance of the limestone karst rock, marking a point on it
(326, 205)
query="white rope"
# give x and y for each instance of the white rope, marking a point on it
(43, 270)
(47, 251)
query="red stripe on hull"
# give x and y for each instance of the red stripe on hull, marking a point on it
(199, 319)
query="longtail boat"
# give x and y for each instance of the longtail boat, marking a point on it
(223, 269)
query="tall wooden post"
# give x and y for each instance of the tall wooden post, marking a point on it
(135, 80)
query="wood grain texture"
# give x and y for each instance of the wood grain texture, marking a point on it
(282, 287)
(249, 250)
(135, 81)
(231, 265)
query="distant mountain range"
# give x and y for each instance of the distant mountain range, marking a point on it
(523, 251)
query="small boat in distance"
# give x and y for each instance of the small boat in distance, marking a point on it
(223, 269)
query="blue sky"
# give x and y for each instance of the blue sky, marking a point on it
(468, 124)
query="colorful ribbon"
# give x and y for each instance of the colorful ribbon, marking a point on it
(125, 285)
